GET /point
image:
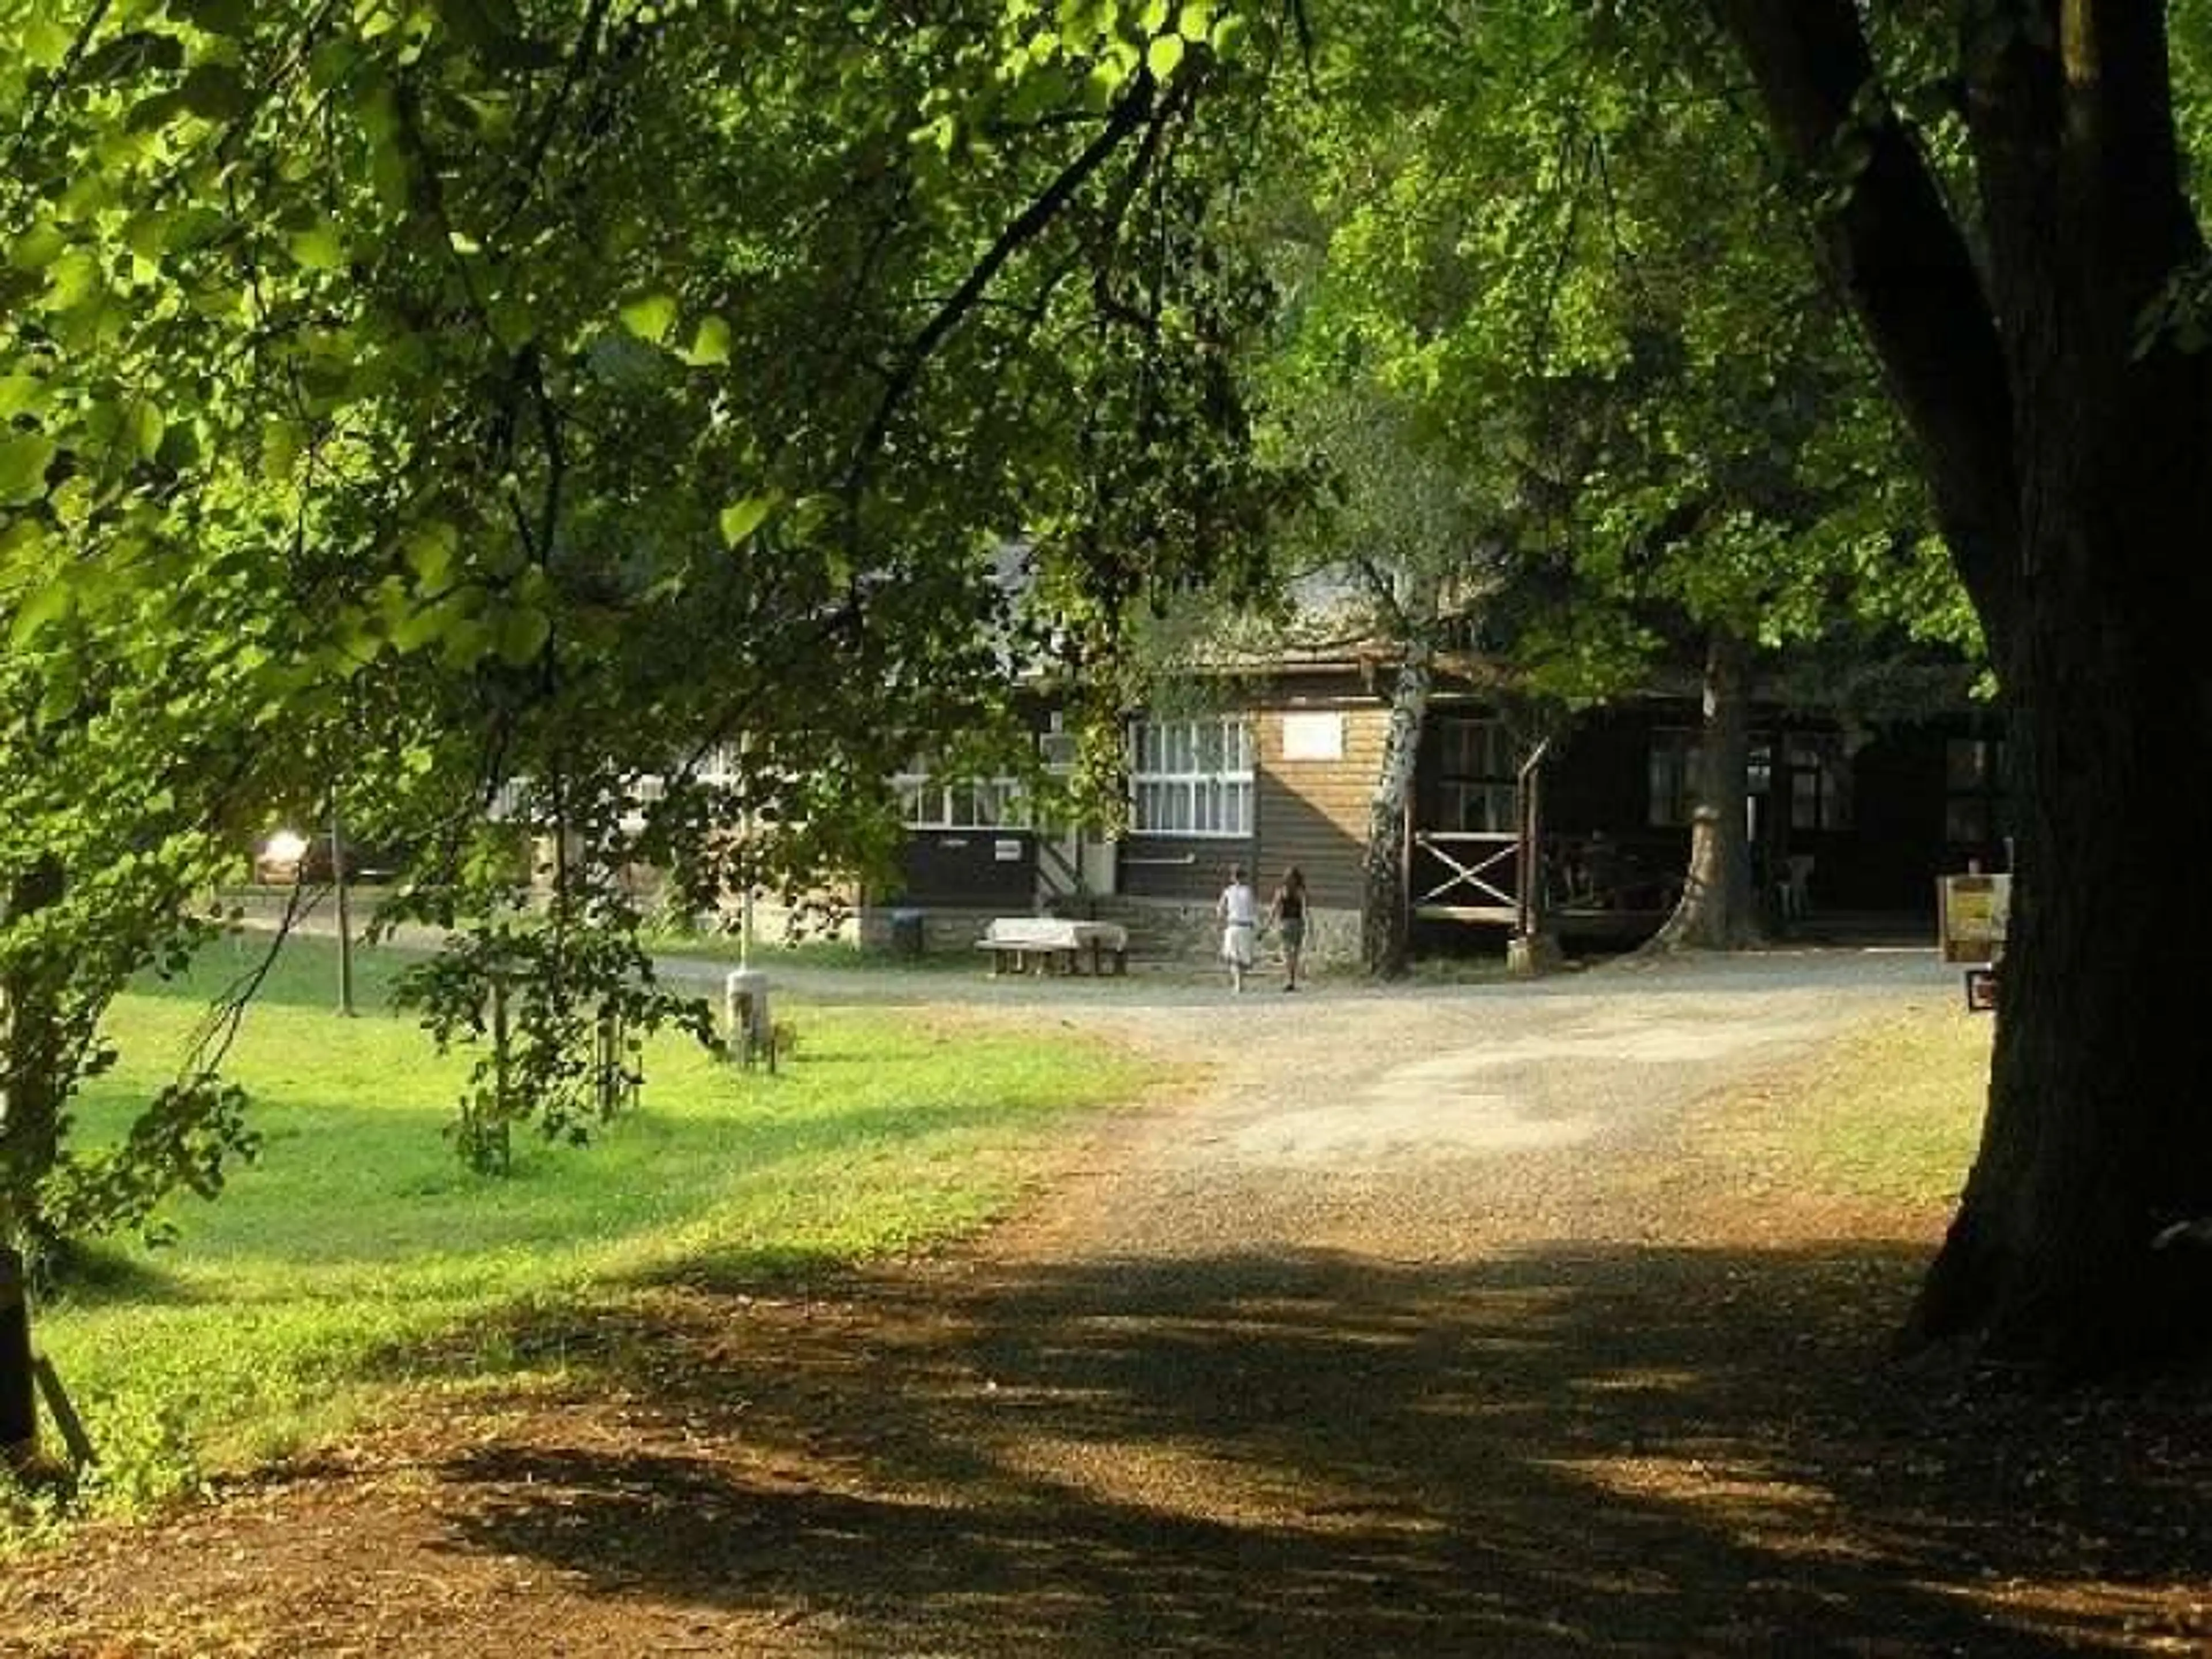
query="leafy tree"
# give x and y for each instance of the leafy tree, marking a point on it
(1534, 254)
(2007, 206)
(500, 403)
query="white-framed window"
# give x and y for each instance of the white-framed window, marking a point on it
(1674, 778)
(1477, 776)
(1973, 792)
(1191, 777)
(928, 803)
(1819, 781)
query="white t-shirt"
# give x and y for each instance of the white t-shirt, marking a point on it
(1239, 906)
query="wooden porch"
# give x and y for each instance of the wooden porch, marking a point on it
(1586, 886)
(1533, 882)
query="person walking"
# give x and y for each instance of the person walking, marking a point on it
(1286, 915)
(1238, 911)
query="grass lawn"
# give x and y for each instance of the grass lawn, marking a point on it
(357, 1255)
(1892, 1110)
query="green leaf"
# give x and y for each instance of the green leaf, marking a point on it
(519, 634)
(144, 424)
(216, 92)
(391, 172)
(741, 519)
(320, 248)
(483, 23)
(38, 247)
(74, 280)
(431, 553)
(148, 114)
(46, 40)
(132, 56)
(214, 16)
(650, 316)
(22, 541)
(21, 394)
(1164, 56)
(710, 346)
(282, 440)
(24, 458)
(47, 603)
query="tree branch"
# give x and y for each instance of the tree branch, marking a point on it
(1128, 115)
(1905, 265)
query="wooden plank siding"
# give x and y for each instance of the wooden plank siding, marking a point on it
(1313, 813)
(1187, 868)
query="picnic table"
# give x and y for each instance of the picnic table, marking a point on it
(1050, 945)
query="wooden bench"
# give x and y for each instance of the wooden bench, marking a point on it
(1049, 944)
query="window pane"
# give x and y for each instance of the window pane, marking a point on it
(1965, 764)
(1674, 765)
(1836, 795)
(1967, 820)
(1501, 808)
(1804, 800)
(1496, 757)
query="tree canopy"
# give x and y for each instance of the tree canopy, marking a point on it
(469, 409)
(453, 402)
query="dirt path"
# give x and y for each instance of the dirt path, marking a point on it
(1425, 1325)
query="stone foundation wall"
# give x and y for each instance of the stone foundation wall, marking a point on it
(944, 927)
(1162, 930)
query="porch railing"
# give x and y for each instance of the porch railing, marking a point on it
(1466, 875)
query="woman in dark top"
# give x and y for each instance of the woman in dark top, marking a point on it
(1286, 912)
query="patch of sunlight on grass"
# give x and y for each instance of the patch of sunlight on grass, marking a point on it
(1893, 1108)
(356, 1252)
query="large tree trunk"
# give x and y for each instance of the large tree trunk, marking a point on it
(1718, 911)
(1385, 927)
(2099, 1134)
(2099, 1130)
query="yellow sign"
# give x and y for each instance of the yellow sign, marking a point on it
(1973, 912)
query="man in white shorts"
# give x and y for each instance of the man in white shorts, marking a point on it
(1239, 909)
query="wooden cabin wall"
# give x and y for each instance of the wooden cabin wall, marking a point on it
(1313, 812)
(1187, 868)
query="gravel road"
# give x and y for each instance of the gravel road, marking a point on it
(1413, 1123)
(1393, 1325)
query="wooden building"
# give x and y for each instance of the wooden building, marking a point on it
(1587, 835)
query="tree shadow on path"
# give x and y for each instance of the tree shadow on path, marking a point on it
(1611, 1450)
